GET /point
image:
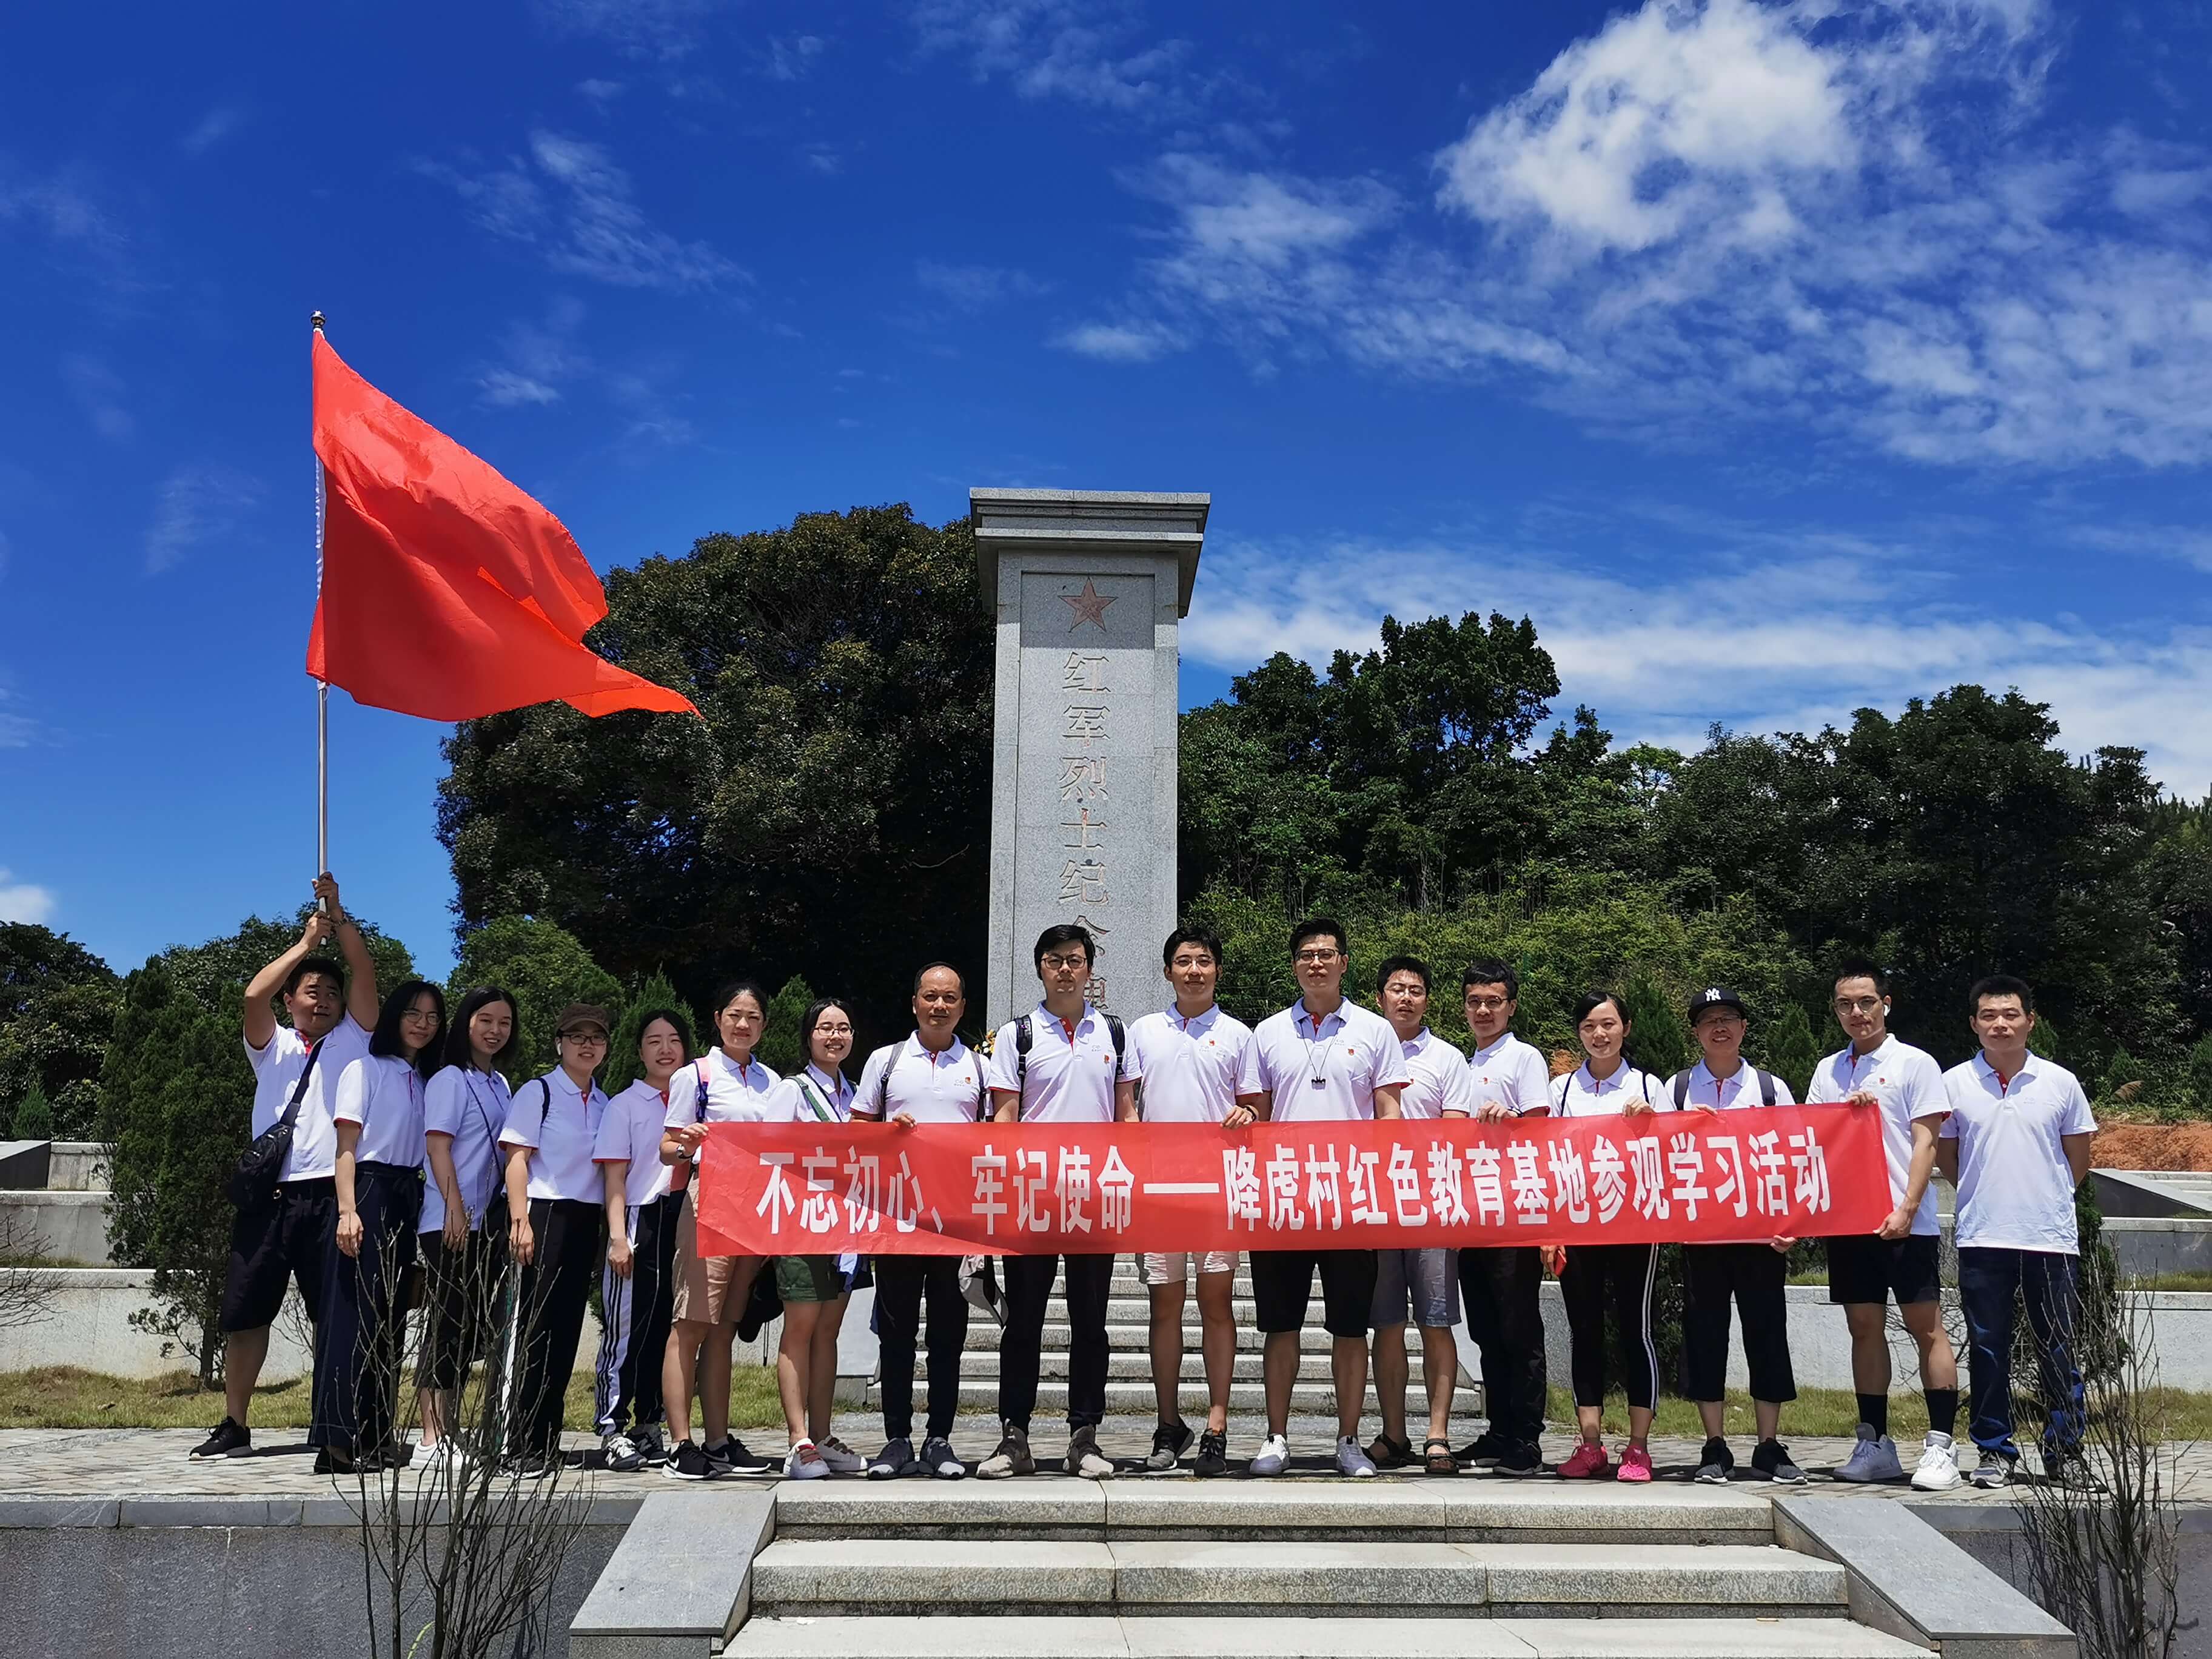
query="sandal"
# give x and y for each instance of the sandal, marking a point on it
(1438, 1453)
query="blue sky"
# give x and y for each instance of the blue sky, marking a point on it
(1775, 359)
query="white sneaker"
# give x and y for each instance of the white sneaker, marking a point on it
(1939, 1465)
(435, 1455)
(804, 1463)
(1874, 1458)
(1274, 1453)
(1352, 1457)
(841, 1457)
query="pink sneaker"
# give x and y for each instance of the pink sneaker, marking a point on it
(1588, 1462)
(1635, 1466)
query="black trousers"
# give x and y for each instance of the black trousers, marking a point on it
(463, 1299)
(1029, 1288)
(901, 1282)
(634, 1315)
(1757, 1276)
(358, 1342)
(1500, 1289)
(557, 1288)
(287, 1239)
(1618, 1276)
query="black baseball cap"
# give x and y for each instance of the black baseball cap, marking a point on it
(1716, 996)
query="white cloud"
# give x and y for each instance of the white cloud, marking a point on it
(537, 359)
(642, 28)
(99, 392)
(1119, 343)
(23, 901)
(197, 505)
(976, 287)
(600, 93)
(217, 125)
(1088, 51)
(791, 56)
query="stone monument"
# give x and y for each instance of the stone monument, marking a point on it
(1089, 587)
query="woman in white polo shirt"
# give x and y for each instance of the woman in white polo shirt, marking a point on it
(1593, 1277)
(726, 1084)
(554, 1191)
(378, 1113)
(463, 1233)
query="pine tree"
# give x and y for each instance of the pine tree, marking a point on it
(34, 1117)
(780, 1045)
(1792, 1050)
(1659, 1042)
(544, 967)
(623, 1067)
(2044, 1039)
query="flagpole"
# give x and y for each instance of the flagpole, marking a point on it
(322, 691)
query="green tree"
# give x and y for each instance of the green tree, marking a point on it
(830, 815)
(1791, 1054)
(1661, 1043)
(34, 1117)
(2042, 1038)
(779, 1049)
(57, 1003)
(544, 967)
(655, 992)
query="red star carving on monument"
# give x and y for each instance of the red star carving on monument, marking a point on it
(1090, 605)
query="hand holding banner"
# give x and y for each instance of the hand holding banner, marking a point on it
(993, 1189)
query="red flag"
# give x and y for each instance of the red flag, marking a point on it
(446, 591)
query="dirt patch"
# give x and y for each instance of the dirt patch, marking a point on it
(2154, 1146)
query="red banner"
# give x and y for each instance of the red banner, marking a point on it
(1685, 1177)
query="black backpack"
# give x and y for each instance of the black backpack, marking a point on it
(1681, 1086)
(891, 1051)
(1025, 1034)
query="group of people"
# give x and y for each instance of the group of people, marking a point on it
(409, 1147)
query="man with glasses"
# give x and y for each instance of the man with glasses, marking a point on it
(1323, 1059)
(1877, 1072)
(1059, 1063)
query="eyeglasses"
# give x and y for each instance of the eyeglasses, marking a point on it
(1484, 1005)
(1061, 964)
(596, 1037)
(1304, 956)
(1857, 1004)
(833, 1030)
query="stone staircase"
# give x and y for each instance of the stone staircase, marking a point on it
(1129, 1366)
(1165, 1567)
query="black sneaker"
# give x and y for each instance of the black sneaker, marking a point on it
(1520, 1458)
(689, 1461)
(1489, 1446)
(1011, 1458)
(333, 1459)
(1716, 1462)
(1083, 1457)
(1212, 1457)
(896, 1459)
(229, 1438)
(1169, 1442)
(939, 1462)
(733, 1457)
(1772, 1459)
(1993, 1472)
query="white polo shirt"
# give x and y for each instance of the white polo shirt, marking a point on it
(732, 1096)
(944, 1085)
(2015, 1187)
(552, 1116)
(1438, 1079)
(1580, 1095)
(1191, 1071)
(1071, 1073)
(384, 1095)
(629, 1132)
(834, 1092)
(1909, 1084)
(471, 1106)
(1353, 1052)
(1730, 1094)
(1513, 1073)
(277, 1069)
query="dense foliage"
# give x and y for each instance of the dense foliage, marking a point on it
(542, 965)
(57, 1004)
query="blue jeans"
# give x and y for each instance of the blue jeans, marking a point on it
(2046, 1281)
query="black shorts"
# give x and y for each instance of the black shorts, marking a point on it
(1282, 1287)
(289, 1238)
(1862, 1268)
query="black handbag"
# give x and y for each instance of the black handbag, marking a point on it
(253, 1183)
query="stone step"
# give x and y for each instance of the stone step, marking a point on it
(1397, 1578)
(981, 1393)
(983, 1334)
(1135, 1365)
(1095, 1635)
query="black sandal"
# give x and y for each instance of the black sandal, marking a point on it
(1438, 1455)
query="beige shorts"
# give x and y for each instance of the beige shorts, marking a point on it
(1174, 1267)
(704, 1284)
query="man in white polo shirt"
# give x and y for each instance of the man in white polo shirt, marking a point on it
(1502, 1286)
(1323, 1059)
(332, 1008)
(1875, 1071)
(1420, 1285)
(2017, 1143)
(931, 1077)
(1059, 1063)
(1187, 1065)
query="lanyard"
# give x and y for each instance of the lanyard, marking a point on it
(1317, 1053)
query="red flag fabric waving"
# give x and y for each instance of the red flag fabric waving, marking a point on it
(447, 592)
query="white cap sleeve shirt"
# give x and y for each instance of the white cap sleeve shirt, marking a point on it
(629, 1132)
(1070, 1072)
(1580, 1095)
(471, 1106)
(1732, 1093)
(1513, 1073)
(1325, 1070)
(1910, 1085)
(810, 1088)
(383, 1094)
(552, 1116)
(2015, 1187)
(943, 1085)
(277, 1069)
(1438, 1080)
(1191, 1071)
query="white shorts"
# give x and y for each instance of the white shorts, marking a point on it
(1174, 1268)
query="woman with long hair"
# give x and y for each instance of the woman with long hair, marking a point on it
(1595, 1277)
(463, 1233)
(636, 1295)
(377, 1112)
(554, 1196)
(815, 1289)
(726, 1084)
